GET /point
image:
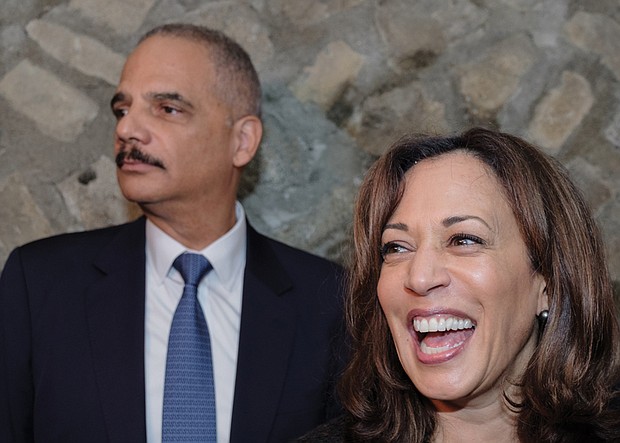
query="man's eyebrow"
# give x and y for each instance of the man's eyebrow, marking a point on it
(449, 221)
(172, 96)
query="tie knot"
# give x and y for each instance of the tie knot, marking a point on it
(193, 267)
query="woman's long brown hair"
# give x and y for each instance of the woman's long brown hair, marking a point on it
(568, 384)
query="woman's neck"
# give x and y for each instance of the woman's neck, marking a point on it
(489, 422)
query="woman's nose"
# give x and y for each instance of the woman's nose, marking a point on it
(427, 271)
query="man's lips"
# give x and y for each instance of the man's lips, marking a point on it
(134, 156)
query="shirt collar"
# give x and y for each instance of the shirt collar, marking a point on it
(226, 254)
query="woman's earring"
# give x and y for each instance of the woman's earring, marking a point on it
(542, 319)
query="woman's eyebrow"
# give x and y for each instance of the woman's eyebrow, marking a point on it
(449, 221)
(399, 226)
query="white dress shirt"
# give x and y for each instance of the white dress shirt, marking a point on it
(219, 294)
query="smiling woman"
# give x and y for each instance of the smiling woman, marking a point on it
(479, 300)
(453, 253)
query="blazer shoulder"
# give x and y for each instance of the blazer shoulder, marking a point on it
(289, 256)
(305, 277)
(80, 239)
(73, 250)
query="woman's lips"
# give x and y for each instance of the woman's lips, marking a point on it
(439, 337)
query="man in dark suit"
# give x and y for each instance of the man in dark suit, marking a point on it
(85, 317)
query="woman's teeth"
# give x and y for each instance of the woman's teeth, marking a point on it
(442, 323)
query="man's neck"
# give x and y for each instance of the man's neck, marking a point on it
(196, 228)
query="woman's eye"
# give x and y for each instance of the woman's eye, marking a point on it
(466, 240)
(392, 248)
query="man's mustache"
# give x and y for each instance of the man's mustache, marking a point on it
(135, 154)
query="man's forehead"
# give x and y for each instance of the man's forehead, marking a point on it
(170, 59)
(170, 45)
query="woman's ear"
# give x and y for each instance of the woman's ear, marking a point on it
(247, 134)
(543, 297)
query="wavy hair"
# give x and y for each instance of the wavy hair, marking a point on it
(567, 386)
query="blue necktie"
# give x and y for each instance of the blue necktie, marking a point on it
(189, 395)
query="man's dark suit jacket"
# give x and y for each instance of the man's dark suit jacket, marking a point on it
(72, 340)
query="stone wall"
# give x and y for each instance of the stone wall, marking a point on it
(342, 79)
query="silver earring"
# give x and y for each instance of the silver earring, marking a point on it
(542, 319)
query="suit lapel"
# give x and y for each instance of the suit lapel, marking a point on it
(268, 323)
(115, 314)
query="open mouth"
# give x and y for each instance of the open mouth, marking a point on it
(442, 335)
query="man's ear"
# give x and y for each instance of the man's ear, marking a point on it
(247, 134)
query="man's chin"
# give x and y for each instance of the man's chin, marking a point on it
(141, 199)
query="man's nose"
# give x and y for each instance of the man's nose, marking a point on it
(132, 126)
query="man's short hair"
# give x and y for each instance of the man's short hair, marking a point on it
(237, 82)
